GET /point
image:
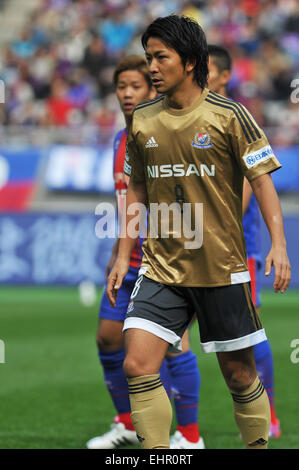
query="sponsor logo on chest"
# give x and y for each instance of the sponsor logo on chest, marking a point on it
(180, 169)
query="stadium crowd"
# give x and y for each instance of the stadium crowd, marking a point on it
(59, 72)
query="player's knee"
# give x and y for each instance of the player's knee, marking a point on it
(238, 369)
(134, 367)
(107, 342)
(240, 379)
(131, 367)
(102, 342)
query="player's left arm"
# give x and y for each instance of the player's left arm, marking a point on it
(247, 193)
(252, 151)
(266, 195)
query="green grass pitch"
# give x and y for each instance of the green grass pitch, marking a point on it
(52, 392)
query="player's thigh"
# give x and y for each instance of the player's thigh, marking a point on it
(158, 309)
(111, 319)
(185, 344)
(144, 352)
(185, 341)
(227, 318)
(186, 336)
(109, 333)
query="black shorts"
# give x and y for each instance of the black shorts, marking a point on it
(226, 315)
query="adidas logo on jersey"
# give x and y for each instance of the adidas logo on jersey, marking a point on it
(151, 143)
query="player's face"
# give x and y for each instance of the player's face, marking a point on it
(165, 66)
(214, 77)
(131, 89)
(217, 81)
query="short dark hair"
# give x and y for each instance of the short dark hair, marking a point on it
(133, 62)
(221, 57)
(186, 37)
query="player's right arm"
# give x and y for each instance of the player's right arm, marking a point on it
(136, 193)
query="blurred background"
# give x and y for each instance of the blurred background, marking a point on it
(60, 116)
(57, 125)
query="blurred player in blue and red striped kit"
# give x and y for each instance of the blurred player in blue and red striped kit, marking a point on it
(219, 76)
(179, 372)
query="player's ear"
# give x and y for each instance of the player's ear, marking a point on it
(190, 65)
(225, 77)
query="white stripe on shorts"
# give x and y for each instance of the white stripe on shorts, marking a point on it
(235, 344)
(175, 342)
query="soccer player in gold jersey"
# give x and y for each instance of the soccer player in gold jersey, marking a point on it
(190, 149)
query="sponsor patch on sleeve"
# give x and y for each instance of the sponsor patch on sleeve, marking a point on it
(259, 156)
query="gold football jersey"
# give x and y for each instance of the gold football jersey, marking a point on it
(193, 162)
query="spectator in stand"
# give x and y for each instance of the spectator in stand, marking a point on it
(81, 89)
(95, 56)
(24, 47)
(117, 32)
(59, 105)
(64, 35)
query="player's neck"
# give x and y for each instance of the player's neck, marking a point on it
(185, 96)
(222, 91)
(128, 120)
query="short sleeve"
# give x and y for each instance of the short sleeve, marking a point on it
(249, 145)
(133, 166)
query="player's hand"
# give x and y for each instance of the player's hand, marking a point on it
(113, 257)
(115, 279)
(278, 258)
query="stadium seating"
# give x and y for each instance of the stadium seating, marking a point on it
(58, 71)
(60, 112)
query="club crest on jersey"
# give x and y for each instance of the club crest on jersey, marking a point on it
(202, 140)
